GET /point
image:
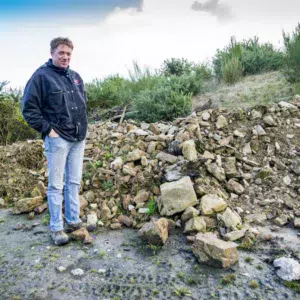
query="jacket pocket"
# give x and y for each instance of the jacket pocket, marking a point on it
(55, 102)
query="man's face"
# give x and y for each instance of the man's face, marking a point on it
(61, 56)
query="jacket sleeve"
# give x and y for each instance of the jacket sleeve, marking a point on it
(31, 108)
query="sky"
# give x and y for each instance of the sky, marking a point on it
(108, 35)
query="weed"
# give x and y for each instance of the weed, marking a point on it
(102, 253)
(154, 248)
(46, 219)
(294, 285)
(107, 185)
(181, 275)
(253, 284)
(63, 290)
(2, 220)
(152, 206)
(228, 279)
(248, 259)
(259, 267)
(39, 266)
(93, 270)
(182, 292)
(132, 280)
(191, 281)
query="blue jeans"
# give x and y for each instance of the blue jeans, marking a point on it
(64, 157)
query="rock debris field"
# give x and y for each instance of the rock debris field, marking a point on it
(205, 206)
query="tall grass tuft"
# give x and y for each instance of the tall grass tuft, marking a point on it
(292, 55)
(232, 70)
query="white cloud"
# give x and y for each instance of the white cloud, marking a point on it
(156, 31)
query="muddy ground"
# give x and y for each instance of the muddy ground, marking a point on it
(120, 266)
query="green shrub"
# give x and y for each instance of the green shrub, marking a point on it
(232, 70)
(161, 103)
(176, 66)
(254, 57)
(292, 55)
(13, 127)
(258, 58)
(109, 92)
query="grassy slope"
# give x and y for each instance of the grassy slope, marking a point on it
(250, 91)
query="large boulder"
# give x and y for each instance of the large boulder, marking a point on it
(27, 204)
(211, 204)
(210, 250)
(155, 232)
(176, 196)
(289, 268)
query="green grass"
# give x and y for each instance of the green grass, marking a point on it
(294, 285)
(102, 253)
(228, 279)
(46, 219)
(182, 292)
(152, 206)
(252, 90)
(254, 284)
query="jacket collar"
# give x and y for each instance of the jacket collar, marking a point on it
(57, 69)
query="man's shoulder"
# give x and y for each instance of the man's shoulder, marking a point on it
(40, 72)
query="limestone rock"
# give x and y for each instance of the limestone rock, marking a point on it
(287, 105)
(230, 167)
(234, 235)
(141, 197)
(216, 171)
(235, 187)
(2, 203)
(281, 220)
(297, 222)
(211, 203)
(269, 121)
(189, 150)
(210, 250)
(257, 218)
(189, 213)
(166, 157)
(196, 224)
(289, 268)
(230, 218)
(296, 166)
(125, 220)
(176, 196)
(27, 204)
(89, 196)
(117, 164)
(92, 221)
(155, 232)
(221, 122)
(135, 155)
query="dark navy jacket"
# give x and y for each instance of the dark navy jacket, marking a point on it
(55, 98)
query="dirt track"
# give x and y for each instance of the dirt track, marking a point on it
(29, 262)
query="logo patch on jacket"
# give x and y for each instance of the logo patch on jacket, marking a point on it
(76, 81)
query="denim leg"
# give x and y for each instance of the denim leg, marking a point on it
(56, 151)
(72, 182)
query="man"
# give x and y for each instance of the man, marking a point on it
(54, 103)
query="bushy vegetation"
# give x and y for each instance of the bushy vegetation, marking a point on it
(249, 58)
(167, 93)
(12, 125)
(150, 96)
(292, 58)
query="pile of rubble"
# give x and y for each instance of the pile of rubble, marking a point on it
(214, 173)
